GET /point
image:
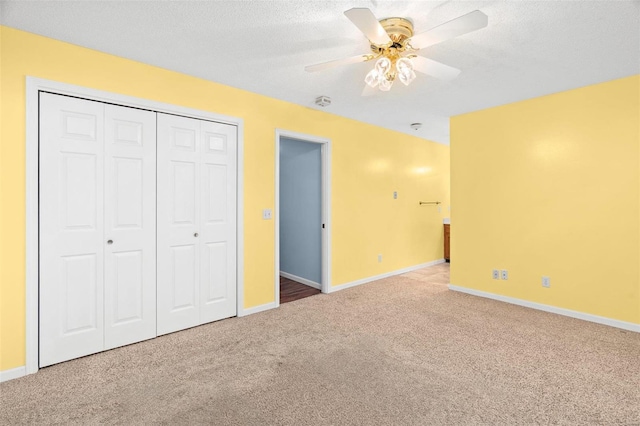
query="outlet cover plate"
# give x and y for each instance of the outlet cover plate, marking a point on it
(495, 274)
(546, 282)
(504, 274)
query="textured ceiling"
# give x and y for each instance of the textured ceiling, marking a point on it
(530, 48)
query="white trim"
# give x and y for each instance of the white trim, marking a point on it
(36, 85)
(385, 275)
(32, 223)
(240, 311)
(548, 308)
(325, 286)
(301, 280)
(326, 216)
(259, 308)
(276, 217)
(14, 373)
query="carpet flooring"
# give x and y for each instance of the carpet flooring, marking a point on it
(400, 351)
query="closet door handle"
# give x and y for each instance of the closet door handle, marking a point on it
(195, 235)
(110, 242)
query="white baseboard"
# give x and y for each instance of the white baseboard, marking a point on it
(301, 280)
(14, 373)
(256, 309)
(548, 308)
(385, 275)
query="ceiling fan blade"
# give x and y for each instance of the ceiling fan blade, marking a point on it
(366, 22)
(461, 25)
(337, 62)
(434, 68)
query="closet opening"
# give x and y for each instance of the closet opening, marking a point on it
(99, 228)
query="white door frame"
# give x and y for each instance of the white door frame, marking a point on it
(326, 206)
(36, 85)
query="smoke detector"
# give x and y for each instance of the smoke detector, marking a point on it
(416, 126)
(323, 101)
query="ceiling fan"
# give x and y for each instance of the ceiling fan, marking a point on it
(394, 46)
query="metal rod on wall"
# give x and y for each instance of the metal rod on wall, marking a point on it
(430, 202)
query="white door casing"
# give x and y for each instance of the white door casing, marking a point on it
(97, 185)
(196, 222)
(130, 225)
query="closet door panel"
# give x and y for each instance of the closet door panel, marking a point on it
(137, 225)
(178, 219)
(130, 225)
(71, 228)
(218, 228)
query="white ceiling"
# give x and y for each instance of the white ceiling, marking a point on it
(529, 49)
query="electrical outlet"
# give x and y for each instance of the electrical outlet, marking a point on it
(546, 282)
(266, 214)
(395, 195)
(495, 274)
(504, 274)
(379, 258)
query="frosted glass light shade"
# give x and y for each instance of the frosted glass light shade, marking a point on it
(386, 71)
(372, 78)
(385, 85)
(405, 71)
(404, 65)
(383, 65)
(406, 77)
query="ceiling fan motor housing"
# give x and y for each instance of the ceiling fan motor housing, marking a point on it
(399, 30)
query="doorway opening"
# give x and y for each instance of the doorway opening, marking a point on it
(302, 216)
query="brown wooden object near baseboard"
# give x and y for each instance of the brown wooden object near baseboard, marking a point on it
(447, 247)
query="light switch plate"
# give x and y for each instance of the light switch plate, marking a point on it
(266, 214)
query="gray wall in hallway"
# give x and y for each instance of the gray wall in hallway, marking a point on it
(301, 209)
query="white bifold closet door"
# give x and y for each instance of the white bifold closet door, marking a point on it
(196, 222)
(97, 227)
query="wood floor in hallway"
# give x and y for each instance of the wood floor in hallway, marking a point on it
(292, 290)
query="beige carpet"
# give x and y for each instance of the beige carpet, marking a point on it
(402, 350)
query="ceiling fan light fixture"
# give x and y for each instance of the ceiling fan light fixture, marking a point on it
(372, 78)
(385, 84)
(383, 65)
(404, 66)
(406, 77)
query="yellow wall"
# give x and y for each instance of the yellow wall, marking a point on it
(369, 163)
(550, 186)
